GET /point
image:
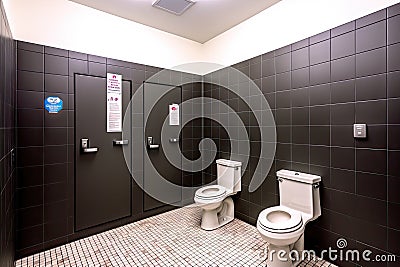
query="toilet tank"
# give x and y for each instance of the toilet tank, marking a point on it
(229, 174)
(300, 191)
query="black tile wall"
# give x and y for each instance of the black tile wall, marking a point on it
(317, 89)
(7, 141)
(45, 143)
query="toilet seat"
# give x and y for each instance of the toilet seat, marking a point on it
(280, 220)
(211, 192)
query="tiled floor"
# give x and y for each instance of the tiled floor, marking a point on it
(169, 239)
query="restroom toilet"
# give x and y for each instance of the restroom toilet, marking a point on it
(282, 227)
(215, 201)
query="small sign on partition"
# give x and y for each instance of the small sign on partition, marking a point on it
(114, 103)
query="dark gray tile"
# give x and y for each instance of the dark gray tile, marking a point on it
(371, 37)
(371, 18)
(29, 176)
(343, 69)
(376, 211)
(268, 67)
(300, 134)
(30, 118)
(393, 111)
(97, 59)
(78, 66)
(393, 54)
(55, 136)
(77, 55)
(320, 37)
(371, 233)
(371, 62)
(342, 202)
(268, 84)
(56, 83)
(283, 99)
(282, 63)
(320, 94)
(342, 92)
(393, 163)
(394, 189)
(343, 114)
(29, 197)
(320, 52)
(97, 69)
(393, 10)
(365, 164)
(30, 61)
(371, 87)
(56, 119)
(283, 152)
(343, 180)
(56, 65)
(300, 44)
(376, 138)
(343, 158)
(125, 72)
(300, 116)
(320, 155)
(320, 115)
(393, 137)
(283, 117)
(29, 217)
(283, 134)
(300, 97)
(30, 47)
(394, 215)
(30, 81)
(30, 99)
(343, 45)
(300, 58)
(371, 112)
(283, 50)
(55, 173)
(29, 237)
(300, 153)
(371, 185)
(320, 135)
(300, 78)
(342, 29)
(393, 84)
(320, 73)
(55, 51)
(393, 26)
(393, 241)
(29, 137)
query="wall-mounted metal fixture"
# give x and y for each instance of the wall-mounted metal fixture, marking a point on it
(120, 142)
(360, 130)
(85, 146)
(150, 144)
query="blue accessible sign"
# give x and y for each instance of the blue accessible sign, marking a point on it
(53, 104)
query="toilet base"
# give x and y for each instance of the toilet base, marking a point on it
(274, 260)
(215, 218)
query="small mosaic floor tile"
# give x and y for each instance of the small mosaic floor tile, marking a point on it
(173, 238)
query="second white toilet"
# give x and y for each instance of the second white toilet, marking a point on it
(215, 201)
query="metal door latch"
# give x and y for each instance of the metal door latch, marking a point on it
(85, 148)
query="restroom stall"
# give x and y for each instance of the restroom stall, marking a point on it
(102, 178)
(161, 101)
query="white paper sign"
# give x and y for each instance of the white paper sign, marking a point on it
(174, 114)
(114, 103)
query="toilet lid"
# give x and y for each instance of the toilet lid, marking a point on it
(280, 219)
(210, 192)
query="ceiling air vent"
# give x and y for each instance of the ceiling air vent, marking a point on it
(176, 7)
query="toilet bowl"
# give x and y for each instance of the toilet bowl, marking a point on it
(215, 201)
(283, 226)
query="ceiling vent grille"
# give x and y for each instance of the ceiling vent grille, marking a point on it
(177, 7)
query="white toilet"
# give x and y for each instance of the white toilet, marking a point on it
(283, 226)
(217, 206)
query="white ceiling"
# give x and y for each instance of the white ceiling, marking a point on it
(202, 22)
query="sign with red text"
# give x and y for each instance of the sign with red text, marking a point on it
(114, 103)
